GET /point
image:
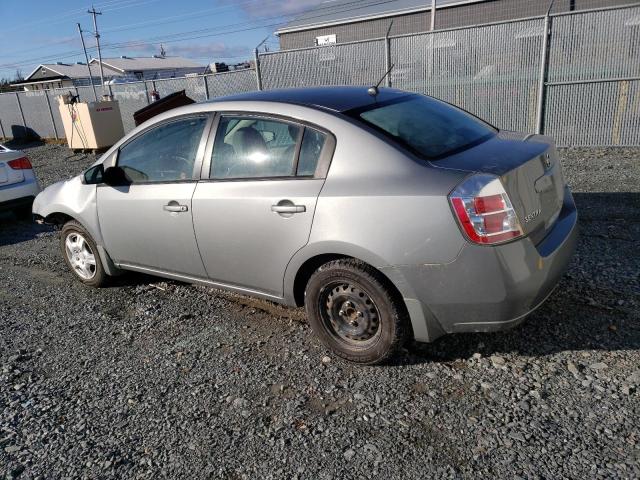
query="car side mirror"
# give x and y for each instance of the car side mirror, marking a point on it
(115, 177)
(94, 175)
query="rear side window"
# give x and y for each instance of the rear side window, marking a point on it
(310, 150)
(253, 147)
(163, 154)
(428, 127)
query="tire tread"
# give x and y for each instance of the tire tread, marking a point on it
(398, 314)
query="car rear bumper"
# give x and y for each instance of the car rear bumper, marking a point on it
(18, 192)
(489, 288)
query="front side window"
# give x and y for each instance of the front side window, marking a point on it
(252, 147)
(163, 154)
(428, 127)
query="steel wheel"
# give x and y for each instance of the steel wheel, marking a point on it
(80, 256)
(349, 314)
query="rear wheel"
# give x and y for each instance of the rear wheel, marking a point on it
(354, 312)
(81, 255)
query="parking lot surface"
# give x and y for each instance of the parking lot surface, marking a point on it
(158, 379)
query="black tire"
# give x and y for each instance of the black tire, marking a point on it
(73, 229)
(23, 212)
(355, 313)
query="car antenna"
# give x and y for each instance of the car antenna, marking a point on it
(373, 91)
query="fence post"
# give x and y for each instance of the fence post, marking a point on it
(544, 66)
(256, 58)
(206, 86)
(258, 74)
(146, 91)
(2, 129)
(53, 122)
(387, 55)
(433, 16)
(24, 122)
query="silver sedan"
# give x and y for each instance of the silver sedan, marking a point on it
(388, 215)
(18, 183)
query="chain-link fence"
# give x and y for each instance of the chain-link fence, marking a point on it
(574, 76)
(37, 114)
(361, 63)
(491, 71)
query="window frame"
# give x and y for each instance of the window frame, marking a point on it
(324, 161)
(202, 144)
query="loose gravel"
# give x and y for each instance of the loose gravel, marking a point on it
(157, 379)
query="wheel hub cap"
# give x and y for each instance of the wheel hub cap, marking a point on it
(351, 313)
(80, 256)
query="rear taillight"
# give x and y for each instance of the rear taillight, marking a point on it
(484, 210)
(21, 163)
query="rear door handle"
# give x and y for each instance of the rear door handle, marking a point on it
(288, 208)
(175, 207)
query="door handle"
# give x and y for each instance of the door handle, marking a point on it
(174, 207)
(288, 208)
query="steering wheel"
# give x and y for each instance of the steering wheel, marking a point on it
(178, 164)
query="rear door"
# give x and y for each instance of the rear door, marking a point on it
(254, 207)
(149, 224)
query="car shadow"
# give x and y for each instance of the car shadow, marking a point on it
(14, 230)
(595, 306)
(136, 279)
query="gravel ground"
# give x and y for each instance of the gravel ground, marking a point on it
(157, 379)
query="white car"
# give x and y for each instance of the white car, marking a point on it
(18, 183)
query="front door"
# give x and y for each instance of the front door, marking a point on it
(255, 210)
(149, 223)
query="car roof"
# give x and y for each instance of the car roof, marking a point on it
(338, 99)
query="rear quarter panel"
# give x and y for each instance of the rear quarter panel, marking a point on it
(381, 206)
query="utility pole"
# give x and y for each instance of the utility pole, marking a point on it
(86, 57)
(97, 35)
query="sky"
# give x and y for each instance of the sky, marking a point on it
(45, 31)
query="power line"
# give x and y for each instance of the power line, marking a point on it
(57, 19)
(162, 20)
(180, 36)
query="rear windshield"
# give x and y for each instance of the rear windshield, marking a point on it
(428, 127)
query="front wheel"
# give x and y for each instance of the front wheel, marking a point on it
(354, 312)
(81, 254)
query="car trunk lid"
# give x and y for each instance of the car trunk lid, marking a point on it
(530, 171)
(9, 175)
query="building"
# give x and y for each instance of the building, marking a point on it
(63, 75)
(221, 67)
(341, 21)
(116, 70)
(149, 68)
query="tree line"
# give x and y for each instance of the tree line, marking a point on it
(5, 83)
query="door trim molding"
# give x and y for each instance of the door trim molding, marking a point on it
(200, 281)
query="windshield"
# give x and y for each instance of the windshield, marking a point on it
(428, 127)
